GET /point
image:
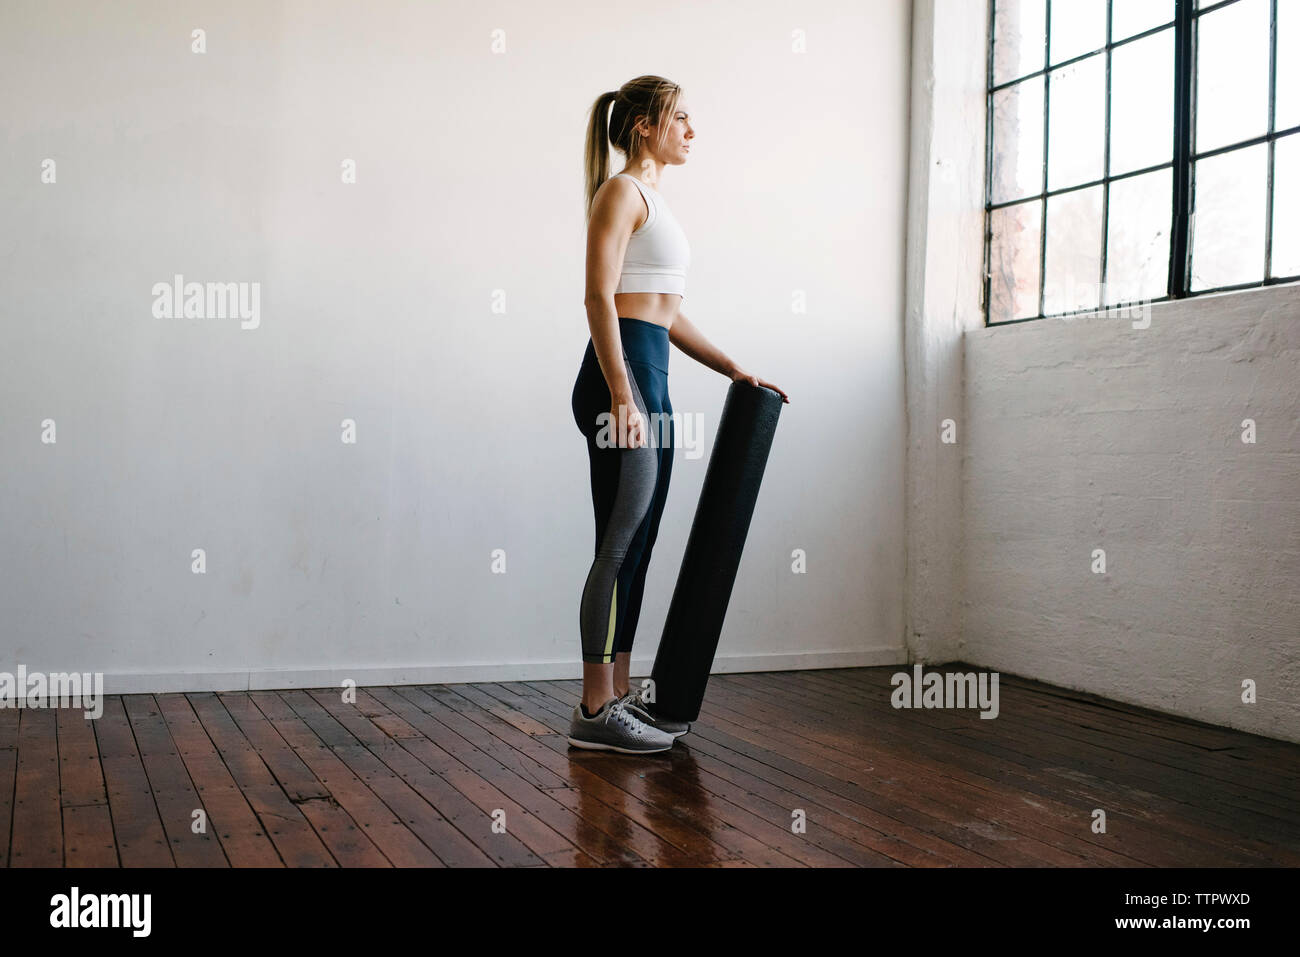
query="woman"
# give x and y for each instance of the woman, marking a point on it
(637, 257)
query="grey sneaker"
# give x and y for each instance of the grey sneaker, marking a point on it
(637, 704)
(615, 728)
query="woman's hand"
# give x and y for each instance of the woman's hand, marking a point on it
(740, 375)
(627, 424)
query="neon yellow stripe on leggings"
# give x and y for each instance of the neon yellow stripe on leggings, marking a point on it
(613, 604)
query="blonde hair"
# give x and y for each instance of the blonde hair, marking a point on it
(651, 97)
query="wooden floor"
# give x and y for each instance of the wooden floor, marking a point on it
(411, 776)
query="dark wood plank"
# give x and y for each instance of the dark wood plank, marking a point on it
(37, 817)
(87, 824)
(8, 774)
(88, 836)
(81, 779)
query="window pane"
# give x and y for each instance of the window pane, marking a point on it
(1232, 74)
(1073, 264)
(1077, 124)
(1137, 240)
(1018, 141)
(1019, 38)
(1133, 16)
(1286, 206)
(1142, 103)
(1013, 261)
(1288, 65)
(1228, 221)
(1078, 26)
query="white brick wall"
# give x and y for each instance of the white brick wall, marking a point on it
(1091, 434)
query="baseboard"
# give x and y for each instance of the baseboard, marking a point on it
(167, 682)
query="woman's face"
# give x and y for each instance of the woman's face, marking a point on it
(676, 147)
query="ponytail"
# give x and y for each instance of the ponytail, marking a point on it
(596, 164)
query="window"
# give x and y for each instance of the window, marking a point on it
(1139, 150)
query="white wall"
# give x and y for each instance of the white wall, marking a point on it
(373, 560)
(1086, 434)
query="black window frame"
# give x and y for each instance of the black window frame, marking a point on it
(1182, 164)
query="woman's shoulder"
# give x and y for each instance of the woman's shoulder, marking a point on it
(618, 187)
(624, 191)
(622, 183)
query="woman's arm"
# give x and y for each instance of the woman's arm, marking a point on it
(613, 217)
(685, 336)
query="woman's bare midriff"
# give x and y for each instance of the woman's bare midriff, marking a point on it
(657, 307)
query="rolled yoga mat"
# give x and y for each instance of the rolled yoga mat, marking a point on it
(699, 602)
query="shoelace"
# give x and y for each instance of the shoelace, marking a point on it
(630, 721)
(636, 698)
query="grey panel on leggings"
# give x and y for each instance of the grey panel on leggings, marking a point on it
(637, 474)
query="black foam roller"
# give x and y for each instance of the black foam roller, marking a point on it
(712, 558)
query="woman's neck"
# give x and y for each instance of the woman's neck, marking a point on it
(647, 171)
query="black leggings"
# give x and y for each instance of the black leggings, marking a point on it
(628, 487)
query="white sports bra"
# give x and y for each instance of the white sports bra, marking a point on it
(657, 254)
